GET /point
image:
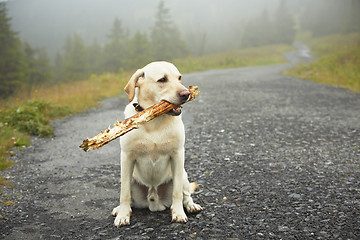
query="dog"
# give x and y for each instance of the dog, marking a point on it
(152, 157)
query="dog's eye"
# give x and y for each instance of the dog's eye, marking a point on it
(164, 79)
(180, 78)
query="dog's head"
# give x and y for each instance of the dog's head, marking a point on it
(155, 82)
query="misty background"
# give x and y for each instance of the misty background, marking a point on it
(66, 40)
(47, 23)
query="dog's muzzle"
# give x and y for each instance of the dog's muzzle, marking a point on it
(183, 96)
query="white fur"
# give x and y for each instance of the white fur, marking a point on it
(152, 157)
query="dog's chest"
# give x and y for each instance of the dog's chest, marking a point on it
(155, 147)
(155, 140)
(152, 159)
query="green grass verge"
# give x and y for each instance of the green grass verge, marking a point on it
(338, 62)
(33, 117)
(266, 55)
(10, 138)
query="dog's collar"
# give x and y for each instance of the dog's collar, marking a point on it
(137, 107)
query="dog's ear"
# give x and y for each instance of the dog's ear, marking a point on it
(130, 86)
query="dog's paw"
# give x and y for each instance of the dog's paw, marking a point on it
(122, 215)
(178, 215)
(194, 208)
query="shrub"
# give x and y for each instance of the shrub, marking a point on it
(33, 117)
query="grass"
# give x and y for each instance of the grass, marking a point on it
(29, 112)
(266, 55)
(338, 62)
(77, 96)
(10, 138)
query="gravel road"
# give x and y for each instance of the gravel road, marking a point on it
(276, 157)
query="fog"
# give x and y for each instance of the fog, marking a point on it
(48, 22)
(218, 24)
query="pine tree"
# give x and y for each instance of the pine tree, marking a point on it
(59, 67)
(249, 38)
(44, 65)
(39, 65)
(139, 51)
(258, 32)
(95, 57)
(284, 25)
(115, 51)
(75, 61)
(263, 31)
(354, 17)
(13, 67)
(166, 40)
(324, 17)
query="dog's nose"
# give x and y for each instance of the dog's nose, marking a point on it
(184, 95)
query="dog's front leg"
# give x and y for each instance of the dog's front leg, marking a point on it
(123, 211)
(177, 168)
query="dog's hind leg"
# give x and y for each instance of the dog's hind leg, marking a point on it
(139, 194)
(189, 204)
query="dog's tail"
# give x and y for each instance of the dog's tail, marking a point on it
(152, 195)
(192, 187)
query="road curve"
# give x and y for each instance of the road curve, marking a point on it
(276, 157)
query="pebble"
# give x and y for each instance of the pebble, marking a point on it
(295, 195)
(283, 228)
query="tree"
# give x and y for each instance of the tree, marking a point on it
(13, 67)
(354, 17)
(115, 51)
(249, 38)
(59, 67)
(166, 40)
(95, 54)
(139, 51)
(39, 65)
(75, 62)
(258, 32)
(324, 17)
(284, 25)
(263, 30)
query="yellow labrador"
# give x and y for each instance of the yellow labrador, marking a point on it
(152, 157)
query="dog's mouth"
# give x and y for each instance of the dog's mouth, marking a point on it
(175, 111)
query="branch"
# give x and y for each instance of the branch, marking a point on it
(134, 122)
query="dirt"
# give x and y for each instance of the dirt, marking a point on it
(276, 157)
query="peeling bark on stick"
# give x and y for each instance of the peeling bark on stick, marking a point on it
(134, 122)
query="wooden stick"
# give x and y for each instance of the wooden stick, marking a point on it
(134, 122)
